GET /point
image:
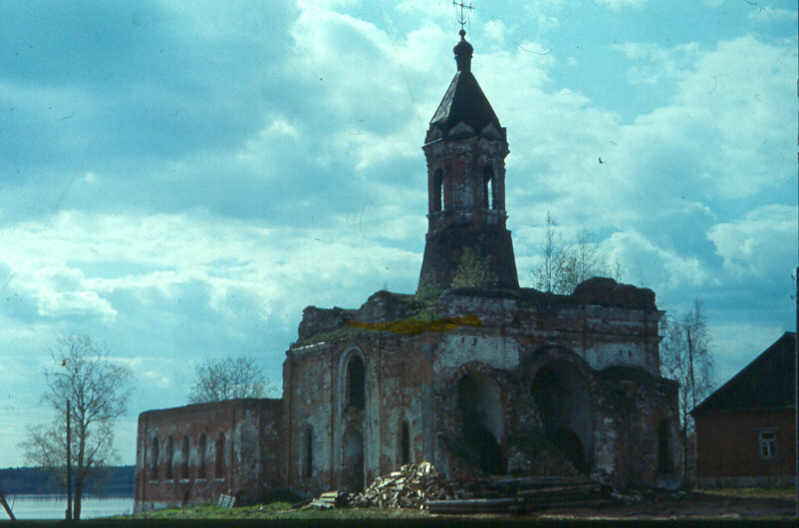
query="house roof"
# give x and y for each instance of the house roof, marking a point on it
(766, 382)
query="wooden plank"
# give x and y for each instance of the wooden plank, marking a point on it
(6, 507)
(472, 505)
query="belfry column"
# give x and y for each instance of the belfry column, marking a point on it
(465, 148)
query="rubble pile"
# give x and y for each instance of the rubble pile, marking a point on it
(410, 487)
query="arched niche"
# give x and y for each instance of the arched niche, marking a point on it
(404, 443)
(202, 448)
(306, 462)
(154, 452)
(352, 457)
(563, 397)
(482, 416)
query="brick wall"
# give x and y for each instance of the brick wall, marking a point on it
(191, 454)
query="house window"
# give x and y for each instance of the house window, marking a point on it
(767, 442)
(355, 386)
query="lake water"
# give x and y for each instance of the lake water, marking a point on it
(54, 506)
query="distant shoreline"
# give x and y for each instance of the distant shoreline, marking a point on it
(117, 482)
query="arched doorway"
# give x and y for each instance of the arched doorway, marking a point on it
(480, 407)
(564, 403)
(352, 461)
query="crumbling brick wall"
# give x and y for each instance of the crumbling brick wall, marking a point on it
(191, 454)
(414, 365)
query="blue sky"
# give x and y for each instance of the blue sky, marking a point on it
(180, 180)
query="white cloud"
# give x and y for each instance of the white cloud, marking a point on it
(653, 266)
(770, 14)
(759, 244)
(495, 30)
(620, 4)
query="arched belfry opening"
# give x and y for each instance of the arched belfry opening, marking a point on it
(488, 187)
(437, 191)
(480, 409)
(564, 404)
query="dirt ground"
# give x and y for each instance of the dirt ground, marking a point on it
(683, 506)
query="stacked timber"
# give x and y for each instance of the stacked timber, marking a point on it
(420, 486)
(326, 501)
(409, 487)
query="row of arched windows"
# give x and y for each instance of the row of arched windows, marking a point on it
(354, 399)
(172, 470)
(488, 196)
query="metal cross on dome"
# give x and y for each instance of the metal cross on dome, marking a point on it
(462, 15)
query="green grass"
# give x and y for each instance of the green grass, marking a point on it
(275, 510)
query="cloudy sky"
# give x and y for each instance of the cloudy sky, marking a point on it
(178, 180)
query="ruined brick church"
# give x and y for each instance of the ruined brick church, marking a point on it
(473, 373)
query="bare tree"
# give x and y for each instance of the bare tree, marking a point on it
(566, 266)
(97, 390)
(685, 357)
(227, 379)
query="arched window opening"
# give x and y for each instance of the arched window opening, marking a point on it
(438, 190)
(488, 187)
(356, 383)
(170, 458)
(480, 407)
(564, 404)
(665, 465)
(220, 456)
(201, 448)
(154, 460)
(405, 443)
(307, 450)
(184, 468)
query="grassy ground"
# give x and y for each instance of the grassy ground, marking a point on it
(275, 510)
(788, 493)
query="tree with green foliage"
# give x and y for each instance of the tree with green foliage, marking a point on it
(97, 390)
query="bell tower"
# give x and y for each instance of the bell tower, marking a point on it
(465, 148)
